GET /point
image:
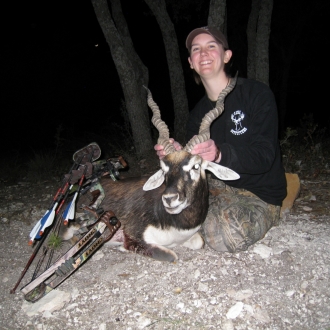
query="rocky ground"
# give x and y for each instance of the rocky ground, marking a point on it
(282, 282)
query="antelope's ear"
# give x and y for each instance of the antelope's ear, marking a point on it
(154, 181)
(221, 172)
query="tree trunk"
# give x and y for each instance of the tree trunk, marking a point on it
(251, 39)
(141, 70)
(217, 14)
(135, 97)
(262, 41)
(178, 90)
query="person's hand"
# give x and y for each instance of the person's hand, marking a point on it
(207, 150)
(160, 148)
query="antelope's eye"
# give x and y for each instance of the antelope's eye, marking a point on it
(196, 167)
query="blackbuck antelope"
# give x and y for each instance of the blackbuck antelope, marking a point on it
(169, 208)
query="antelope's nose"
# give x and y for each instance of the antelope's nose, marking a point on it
(170, 200)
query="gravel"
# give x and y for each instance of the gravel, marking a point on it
(282, 282)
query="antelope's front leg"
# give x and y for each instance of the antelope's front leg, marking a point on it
(195, 242)
(154, 251)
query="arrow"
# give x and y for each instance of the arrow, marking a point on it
(48, 219)
(41, 225)
(35, 232)
(70, 210)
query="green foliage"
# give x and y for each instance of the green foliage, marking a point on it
(54, 241)
(307, 128)
(306, 149)
(288, 133)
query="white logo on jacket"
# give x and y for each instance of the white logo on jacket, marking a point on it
(237, 118)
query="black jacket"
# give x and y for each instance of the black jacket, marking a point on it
(247, 136)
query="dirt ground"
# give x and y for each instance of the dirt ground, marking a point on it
(282, 282)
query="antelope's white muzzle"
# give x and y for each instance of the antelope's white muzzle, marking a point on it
(172, 203)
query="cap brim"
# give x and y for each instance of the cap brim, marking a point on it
(193, 34)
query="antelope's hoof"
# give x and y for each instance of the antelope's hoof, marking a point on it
(161, 253)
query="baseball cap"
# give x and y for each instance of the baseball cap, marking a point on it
(216, 34)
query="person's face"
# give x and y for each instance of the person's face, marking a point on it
(207, 56)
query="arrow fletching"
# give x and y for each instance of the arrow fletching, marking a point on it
(35, 232)
(70, 210)
(48, 219)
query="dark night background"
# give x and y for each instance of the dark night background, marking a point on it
(57, 70)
